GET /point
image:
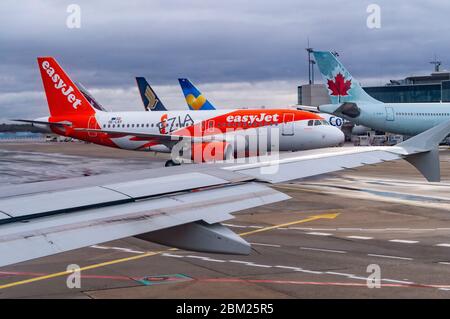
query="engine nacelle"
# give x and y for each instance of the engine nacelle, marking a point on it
(200, 236)
(211, 151)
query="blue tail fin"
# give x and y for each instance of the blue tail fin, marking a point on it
(341, 86)
(194, 98)
(148, 96)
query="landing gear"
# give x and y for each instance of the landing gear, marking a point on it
(171, 163)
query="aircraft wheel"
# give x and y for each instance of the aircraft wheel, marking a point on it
(171, 163)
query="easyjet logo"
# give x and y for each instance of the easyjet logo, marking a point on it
(262, 117)
(61, 85)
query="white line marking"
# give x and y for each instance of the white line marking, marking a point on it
(171, 255)
(310, 271)
(444, 263)
(443, 245)
(392, 257)
(268, 245)
(238, 261)
(444, 289)
(206, 258)
(258, 265)
(288, 267)
(360, 237)
(235, 226)
(126, 250)
(398, 281)
(299, 269)
(324, 250)
(215, 260)
(357, 277)
(319, 234)
(242, 226)
(403, 241)
(339, 274)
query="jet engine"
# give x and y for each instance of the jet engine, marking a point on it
(211, 151)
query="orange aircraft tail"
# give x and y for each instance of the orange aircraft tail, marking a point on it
(63, 97)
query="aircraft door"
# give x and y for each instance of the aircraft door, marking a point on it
(288, 124)
(389, 114)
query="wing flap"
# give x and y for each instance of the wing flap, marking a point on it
(63, 201)
(62, 232)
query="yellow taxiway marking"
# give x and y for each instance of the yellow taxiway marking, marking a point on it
(67, 272)
(154, 253)
(310, 219)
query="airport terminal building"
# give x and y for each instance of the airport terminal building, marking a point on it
(426, 88)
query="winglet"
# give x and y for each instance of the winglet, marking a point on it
(422, 151)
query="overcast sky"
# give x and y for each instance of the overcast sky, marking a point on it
(240, 53)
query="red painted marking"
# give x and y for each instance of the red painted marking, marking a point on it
(239, 280)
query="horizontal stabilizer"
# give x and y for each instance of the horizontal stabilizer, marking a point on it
(65, 123)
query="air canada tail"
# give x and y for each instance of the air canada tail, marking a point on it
(341, 86)
(194, 98)
(63, 96)
(148, 96)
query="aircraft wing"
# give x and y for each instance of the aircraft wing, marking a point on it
(45, 218)
(176, 206)
(144, 135)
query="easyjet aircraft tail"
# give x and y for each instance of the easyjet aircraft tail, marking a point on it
(148, 96)
(194, 98)
(63, 96)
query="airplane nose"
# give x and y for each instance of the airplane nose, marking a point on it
(328, 108)
(333, 136)
(340, 137)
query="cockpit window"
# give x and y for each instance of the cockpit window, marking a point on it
(317, 122)
(324, 122)
(310, 123)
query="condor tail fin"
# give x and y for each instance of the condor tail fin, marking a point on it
(194, 98)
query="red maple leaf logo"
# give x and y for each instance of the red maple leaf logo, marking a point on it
(339, 86)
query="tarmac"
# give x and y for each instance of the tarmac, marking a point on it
(337, 231)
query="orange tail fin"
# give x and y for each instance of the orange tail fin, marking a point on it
(63, 97)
